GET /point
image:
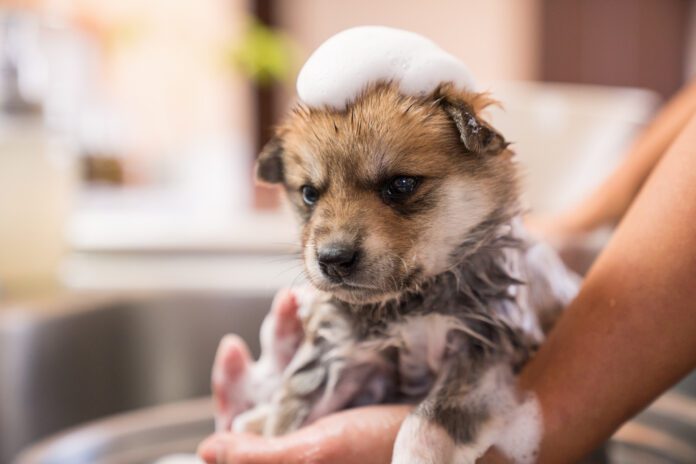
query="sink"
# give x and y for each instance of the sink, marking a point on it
(660, 435)
(125, 379)
(139, 437)
(80, 358)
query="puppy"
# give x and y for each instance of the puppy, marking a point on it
(429, 290)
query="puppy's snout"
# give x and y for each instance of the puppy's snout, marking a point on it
(337, 260)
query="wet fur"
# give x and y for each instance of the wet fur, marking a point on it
(449, 285)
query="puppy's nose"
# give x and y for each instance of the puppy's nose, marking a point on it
(337, 261)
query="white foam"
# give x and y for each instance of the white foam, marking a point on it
(345, 64)
(179, 459)
(516, 424)
(519, 438)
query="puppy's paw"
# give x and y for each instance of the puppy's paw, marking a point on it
(423, 442)
(229, 378)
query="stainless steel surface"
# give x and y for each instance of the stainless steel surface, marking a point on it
(664, 434)
(139, 437)
(77, 361)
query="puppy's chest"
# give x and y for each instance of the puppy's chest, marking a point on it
(421, 343)
(420, 346)
(441, 317)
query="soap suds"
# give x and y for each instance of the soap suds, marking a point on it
(520, 436)
(516, 423)
(343, 66)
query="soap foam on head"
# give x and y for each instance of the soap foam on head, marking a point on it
(343, 66)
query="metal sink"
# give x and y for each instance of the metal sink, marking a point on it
(140, 437)
(148, 358)
(86, 357)
(664, 434)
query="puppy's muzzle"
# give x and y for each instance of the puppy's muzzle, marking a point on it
(337, 261)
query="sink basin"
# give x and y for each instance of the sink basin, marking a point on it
(140, 437)
(134, 372)
(86, 357)
(145, 436)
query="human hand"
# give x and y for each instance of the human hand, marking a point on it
(556, 229)
(355, 436)
(362, 435)
(238, 383)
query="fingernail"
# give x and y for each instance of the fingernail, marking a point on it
(212, 450)
(219, 423)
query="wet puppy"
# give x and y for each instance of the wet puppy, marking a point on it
(429, 292)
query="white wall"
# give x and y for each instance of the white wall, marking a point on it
(497, 39)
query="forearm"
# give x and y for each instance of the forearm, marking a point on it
(629, 335)
(608, 203)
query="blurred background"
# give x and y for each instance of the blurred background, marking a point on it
(132, 235)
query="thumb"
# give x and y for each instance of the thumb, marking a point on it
(242, 448)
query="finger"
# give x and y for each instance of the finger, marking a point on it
(285, 307)
(281, 332)
(230, 368)
(245, 449)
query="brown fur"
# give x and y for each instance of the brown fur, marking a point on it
(348, 155)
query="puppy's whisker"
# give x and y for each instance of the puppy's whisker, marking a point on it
(283, 259)
(291, 268)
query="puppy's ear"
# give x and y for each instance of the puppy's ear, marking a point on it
(477, 135)
(269, 165)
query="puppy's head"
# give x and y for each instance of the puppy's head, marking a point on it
(389, 188)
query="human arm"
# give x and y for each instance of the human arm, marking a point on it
(607, 204)
(629, 334)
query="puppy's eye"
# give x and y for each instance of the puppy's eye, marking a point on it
(310, 195)
(399, 188)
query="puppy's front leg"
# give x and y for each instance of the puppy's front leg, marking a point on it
(451, 425)
(320, 379)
